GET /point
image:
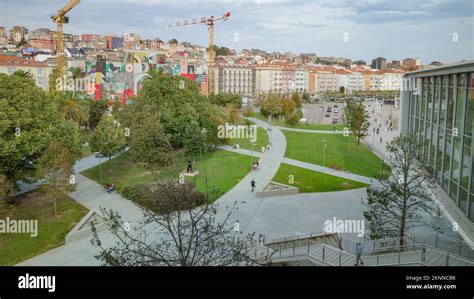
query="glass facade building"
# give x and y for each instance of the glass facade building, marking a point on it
(438, 109)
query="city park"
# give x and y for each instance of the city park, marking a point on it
(57, 146)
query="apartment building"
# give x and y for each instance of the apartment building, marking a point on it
(233, 79)
(351, 81)
(323, 79)
(39, 70)
(17, 34)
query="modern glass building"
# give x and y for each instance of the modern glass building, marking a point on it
(437, 106)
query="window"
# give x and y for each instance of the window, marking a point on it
(461, 102)
(470, 108)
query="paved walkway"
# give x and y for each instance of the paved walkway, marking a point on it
(307, 130)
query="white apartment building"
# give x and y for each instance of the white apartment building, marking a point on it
(351, 81)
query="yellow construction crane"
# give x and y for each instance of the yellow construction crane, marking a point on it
(209, 21)
(61, 19)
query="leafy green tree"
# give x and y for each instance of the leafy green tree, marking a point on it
(96, 111)
(148, 142)
(23, 74)
(108, 138)
(29, 121)
(359, 122)
(226, 99)
(271, 105)
(297, 99)
(178, 102)
(293, 119)
(74, 106)
(76, 73)
(306, 96)
(195, 140)
(56, 166)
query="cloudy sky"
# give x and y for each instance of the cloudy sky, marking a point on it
(395, 29)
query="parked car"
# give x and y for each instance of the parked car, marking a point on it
(335, 106)
(329, 109)
(328, 115)
(336, 111)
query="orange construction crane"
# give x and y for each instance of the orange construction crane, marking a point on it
(61, 19)
(209, 21)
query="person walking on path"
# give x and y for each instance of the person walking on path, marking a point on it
(359, 250)
(252, 184)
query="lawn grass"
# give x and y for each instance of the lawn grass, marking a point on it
(309, 147)
(52, 230)
(223, 169)
(322, 127)
(261, 140)
(309, 181)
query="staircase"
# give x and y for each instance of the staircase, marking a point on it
(320, 249)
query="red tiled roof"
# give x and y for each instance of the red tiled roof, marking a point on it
(9, 60)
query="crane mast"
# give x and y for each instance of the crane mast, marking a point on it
(60, 18)
(209, 21)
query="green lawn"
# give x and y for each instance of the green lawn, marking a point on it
(309, 181)
(308, 147)
(223, 170)
(52, 230)
(322, 127)
(261, 140)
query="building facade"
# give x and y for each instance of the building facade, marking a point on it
(40, 71)
(437, 107)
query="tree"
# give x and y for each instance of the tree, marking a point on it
(180, 234)
(359, 122)
(173, 41)
(96, 111)
(178, 102)
(29, 121)
(288, 106)
(56, 167)
(297, 99)
(394, 207)
(248, 112)
(293, 119)
(74, 107)
(148, 142)
(76, 73)
(195, 140)
(108, 138)
(271, 105)
(306, 97)
(23, 74)
(226, 99)
(233, 115)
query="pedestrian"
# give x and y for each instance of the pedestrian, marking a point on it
(380, 139)
(268, 147)
(258, 165)
(263, 149)
(252, 184)
(254, 166)
(359, 249)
